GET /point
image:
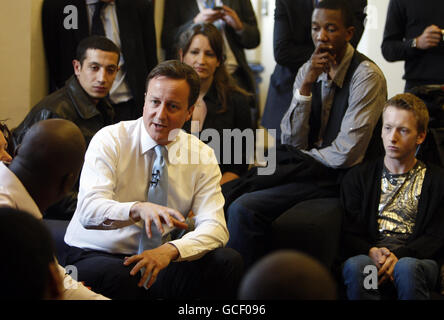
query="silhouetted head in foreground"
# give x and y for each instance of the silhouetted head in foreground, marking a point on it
(287, 275)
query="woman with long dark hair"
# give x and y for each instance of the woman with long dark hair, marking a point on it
(222, 104)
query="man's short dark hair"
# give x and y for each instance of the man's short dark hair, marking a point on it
(175, 69)
(343, 6)
(28, 249)
(96, 42)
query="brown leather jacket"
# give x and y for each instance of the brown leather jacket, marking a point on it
(71, 103)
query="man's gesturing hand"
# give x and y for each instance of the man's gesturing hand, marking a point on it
(151, 212)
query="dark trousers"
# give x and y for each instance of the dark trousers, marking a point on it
(214, 276)
(250, 216)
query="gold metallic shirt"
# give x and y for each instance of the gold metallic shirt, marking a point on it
(398, 204)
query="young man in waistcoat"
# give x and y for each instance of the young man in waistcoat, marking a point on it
(338, 98)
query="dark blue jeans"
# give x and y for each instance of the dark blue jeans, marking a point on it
(413, 278)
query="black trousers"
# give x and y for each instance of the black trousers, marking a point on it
(250, 217)
(214, 276)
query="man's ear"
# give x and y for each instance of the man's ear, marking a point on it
(350, 32)
(420, 138)
(77, 66)
(181, 55)
(190, 112)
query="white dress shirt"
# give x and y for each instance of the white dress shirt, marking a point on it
(13, 194)
(115, 176)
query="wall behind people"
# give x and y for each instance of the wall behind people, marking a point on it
(23, 78)
(370, 45)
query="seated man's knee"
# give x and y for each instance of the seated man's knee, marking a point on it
(355, 266)
(227, 258)
(239, 210)
(406, 267)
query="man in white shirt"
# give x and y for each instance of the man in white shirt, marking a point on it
(45, 168)
(114, 205)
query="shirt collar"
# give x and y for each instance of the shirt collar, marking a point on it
(147, 143)
(342, 69)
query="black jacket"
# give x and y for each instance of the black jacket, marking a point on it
(360, 195)
(237, 116)
(71, 103)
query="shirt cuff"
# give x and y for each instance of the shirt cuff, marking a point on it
(302, 98)
(187, 251)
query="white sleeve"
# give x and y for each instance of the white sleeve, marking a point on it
(211, 229)
(96, 207)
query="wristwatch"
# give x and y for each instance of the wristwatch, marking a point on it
(413, 44)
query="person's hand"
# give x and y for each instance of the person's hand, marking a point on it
(386, 270)
(429, 38)
(151, 212)
(228, 176)
(153, 261)
(208, 15)
(379, 255)
(231, 18)
(321, 60)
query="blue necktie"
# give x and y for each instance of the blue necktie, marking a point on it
(209, 4)
(157, 193)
